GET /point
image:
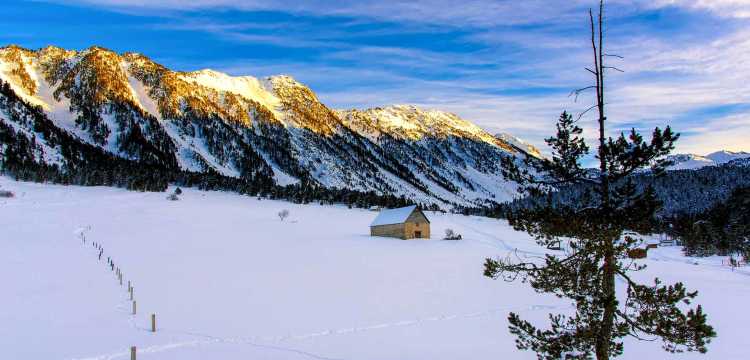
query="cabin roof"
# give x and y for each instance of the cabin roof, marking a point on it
(393, 216)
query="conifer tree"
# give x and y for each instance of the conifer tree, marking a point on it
(600, 228)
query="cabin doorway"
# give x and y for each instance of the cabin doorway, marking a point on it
(418, 234)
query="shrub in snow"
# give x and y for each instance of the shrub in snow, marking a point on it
(173, 197)
(451, 235)
(283, 214)
(178, 191)
(6, 194)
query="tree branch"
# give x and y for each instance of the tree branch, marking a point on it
(613, 68)
(585, 111)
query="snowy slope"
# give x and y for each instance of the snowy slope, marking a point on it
(454, 158)
(689, 162)
(724, 156)
(246, 86)
(228, 280)
(520, 144)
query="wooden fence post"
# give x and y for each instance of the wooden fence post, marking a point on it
(132, 353)
(133, 307)
(153, 322)
(131, 293)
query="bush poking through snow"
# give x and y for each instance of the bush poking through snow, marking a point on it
(451, 235)
(6, 194)
(283, 214)
(173, 196)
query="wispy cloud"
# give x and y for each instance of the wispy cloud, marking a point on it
(507, 65)
(723, 8)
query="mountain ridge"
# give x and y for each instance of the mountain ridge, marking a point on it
(694, 161)
(246, 127)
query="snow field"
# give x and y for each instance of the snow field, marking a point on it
(229, 280)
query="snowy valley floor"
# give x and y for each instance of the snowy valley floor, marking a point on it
(227, 280)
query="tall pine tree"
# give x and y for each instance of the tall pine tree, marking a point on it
(600, 229)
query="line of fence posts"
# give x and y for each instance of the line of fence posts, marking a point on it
(120, 276)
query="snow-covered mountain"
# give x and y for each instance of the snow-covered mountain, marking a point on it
(519, 144)
(724, 156)
(693, 161)
(272, 129)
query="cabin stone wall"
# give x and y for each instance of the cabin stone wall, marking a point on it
(392, 230)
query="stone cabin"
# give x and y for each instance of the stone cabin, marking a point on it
(404, 223)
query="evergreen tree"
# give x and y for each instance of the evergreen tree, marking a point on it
(600, 230)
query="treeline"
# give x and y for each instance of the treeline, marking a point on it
(300, 193)
(679, 191)
(707, 209)
(723, 229)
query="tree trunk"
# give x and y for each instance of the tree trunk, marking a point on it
(610, 303)
(603, 338)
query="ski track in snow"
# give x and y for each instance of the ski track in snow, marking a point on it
(497, 242)
(269, 340)
(171, 346)
(692, 261)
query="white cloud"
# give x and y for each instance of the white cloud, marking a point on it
(469, 12)
(475, 13)
(723, 8)
(728, 133)
(665, 79)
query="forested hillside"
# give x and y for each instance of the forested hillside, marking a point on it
(680, 191)
(99, 117)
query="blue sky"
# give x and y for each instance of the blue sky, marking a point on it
(505, 65)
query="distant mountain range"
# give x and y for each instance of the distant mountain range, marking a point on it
(692, 161)
(270, 130)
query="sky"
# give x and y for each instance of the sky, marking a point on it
(508, 66)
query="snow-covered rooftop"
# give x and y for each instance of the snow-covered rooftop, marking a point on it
(393, 216)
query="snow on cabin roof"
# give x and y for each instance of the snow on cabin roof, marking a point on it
(393, 216)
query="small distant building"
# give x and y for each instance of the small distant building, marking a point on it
(404, 223)
(638, 253)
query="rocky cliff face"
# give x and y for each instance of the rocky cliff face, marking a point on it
(274, 128)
